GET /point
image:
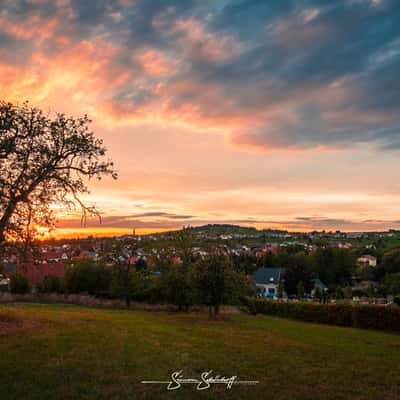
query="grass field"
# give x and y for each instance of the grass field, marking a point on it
(69, 352)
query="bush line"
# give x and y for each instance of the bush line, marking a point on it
(356, 316)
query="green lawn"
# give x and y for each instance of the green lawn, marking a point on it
(68, 352)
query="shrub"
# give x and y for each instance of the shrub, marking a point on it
(357, 316)
(19, 284)
(87, 276)
(51, 284)
(177, 286)
(130, 285)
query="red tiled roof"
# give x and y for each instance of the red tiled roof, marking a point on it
(37, 272)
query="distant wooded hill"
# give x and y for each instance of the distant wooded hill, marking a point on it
(228, 229)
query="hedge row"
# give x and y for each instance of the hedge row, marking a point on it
(357, 316)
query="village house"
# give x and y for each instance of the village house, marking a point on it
(317, 284)
(366, 261)
(267, 281)
(345, 245)
(36, 272)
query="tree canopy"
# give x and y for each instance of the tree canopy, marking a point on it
(391, 262)
(44, 160)
(217, 282)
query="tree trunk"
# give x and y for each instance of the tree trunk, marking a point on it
(6, 218)
(216, 311)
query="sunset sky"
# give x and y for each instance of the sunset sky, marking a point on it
(280, 114)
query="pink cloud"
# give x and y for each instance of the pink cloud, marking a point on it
(34, 27)
(157, 87)
(155, 63)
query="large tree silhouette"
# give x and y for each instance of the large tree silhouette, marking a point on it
(44, 160)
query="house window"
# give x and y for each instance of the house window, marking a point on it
(271, 290)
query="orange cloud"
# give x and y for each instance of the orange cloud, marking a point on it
(34, 27)
(156, 63)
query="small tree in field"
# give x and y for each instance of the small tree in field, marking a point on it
(123, 284)
(44, 161)
(217, 282)
(177, 286)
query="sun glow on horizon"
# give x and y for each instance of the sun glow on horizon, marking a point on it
(78, 233)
